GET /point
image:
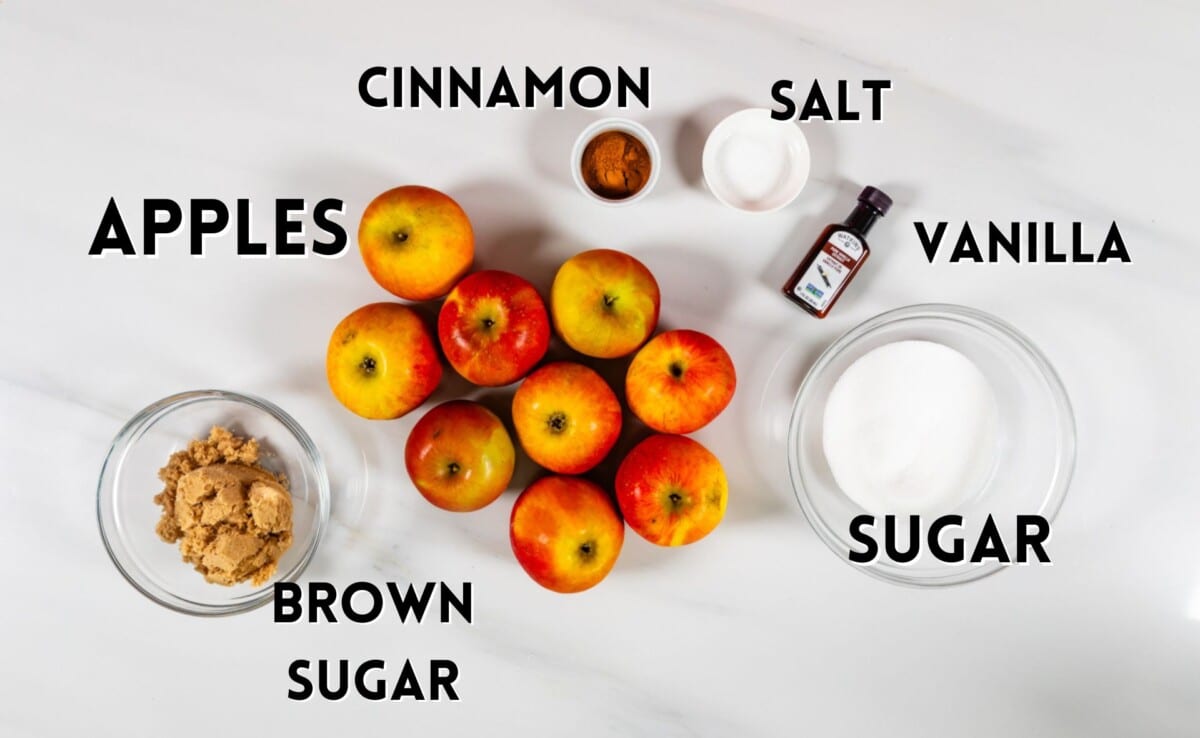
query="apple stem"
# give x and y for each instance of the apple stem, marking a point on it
(676, 369)
(399, 236)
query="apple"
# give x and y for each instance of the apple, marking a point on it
(493, 328)
(672, 490)
(565, 533)
(604, 303)
(459, 456)
(679, 381)
(416, 242)
(567, 418)
(381, 361)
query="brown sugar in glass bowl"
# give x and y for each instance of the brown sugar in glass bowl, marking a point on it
(615, 161)
(128, 516)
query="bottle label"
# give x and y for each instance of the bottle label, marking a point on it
(827, 274)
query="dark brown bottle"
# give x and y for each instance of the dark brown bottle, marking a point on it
(836, 257)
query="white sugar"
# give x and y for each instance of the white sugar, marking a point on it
(911, 427)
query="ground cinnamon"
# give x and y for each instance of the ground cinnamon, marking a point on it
(615, 165)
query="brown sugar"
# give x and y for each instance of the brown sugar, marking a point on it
(615, 165)
(231, 517)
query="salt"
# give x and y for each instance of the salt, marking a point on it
(911, 427)
(754, 166)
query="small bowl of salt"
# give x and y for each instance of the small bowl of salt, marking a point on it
(754, 163)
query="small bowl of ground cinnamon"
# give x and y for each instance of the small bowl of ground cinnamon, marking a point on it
(615, 161)
(208, 498)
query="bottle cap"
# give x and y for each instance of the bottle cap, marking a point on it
(877, 199)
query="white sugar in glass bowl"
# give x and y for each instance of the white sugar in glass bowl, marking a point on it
(1035, 439)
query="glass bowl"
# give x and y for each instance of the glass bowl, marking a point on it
(1035, 454)
(129, 481)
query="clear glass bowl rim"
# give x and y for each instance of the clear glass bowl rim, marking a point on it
(129, 435)
(973, 317)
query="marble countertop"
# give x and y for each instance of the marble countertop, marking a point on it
(1019, 111)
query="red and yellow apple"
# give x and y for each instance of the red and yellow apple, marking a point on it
(416, 242)
(381, 361)
(459, 456)
(565, 533)
(680, 381)
(672, 490)
(567, 418)
(493, 328)
(604, 303)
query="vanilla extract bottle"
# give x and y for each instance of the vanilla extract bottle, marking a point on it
(836, 257)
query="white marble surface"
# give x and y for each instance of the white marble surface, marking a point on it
(1005, 111)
